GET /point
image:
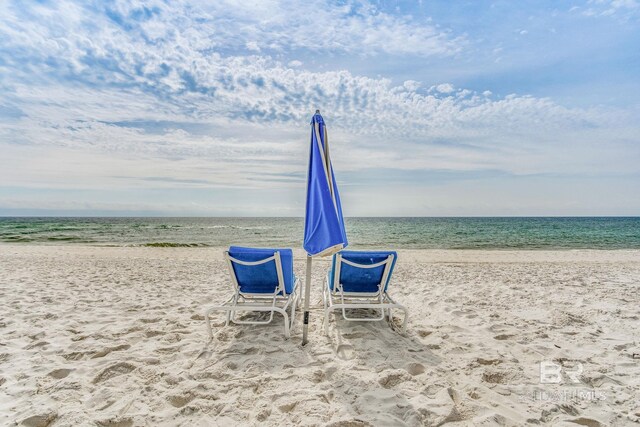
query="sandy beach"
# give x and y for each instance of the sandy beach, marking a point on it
(115, 336)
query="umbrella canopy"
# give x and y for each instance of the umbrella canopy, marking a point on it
(324, 232)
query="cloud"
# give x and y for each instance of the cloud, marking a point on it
(253, 46)
(85, 32)
(444, 88)
(625, 9)
(253, 126)
(411, 85)
(352, 27)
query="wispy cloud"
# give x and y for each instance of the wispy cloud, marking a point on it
(621, 8)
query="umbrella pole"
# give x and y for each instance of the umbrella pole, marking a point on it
(307, 290)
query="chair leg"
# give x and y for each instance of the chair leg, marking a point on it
(287, 334)
(231, 314)
(231, 309)
(206, 315)
(386, 311)
(404, 310)
(325, 318)
(406, 318)
(326, 321)
(293, 310)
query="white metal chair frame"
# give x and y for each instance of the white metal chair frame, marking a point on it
(278, 301)
(379, 300)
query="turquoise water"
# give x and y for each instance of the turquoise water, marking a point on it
(418, 233)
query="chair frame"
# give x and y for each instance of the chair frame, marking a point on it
(379, 300)
(278, 301)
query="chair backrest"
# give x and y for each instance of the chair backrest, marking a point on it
(255, 270)
(362, 271)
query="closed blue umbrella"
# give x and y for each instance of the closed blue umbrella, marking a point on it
(324, 232)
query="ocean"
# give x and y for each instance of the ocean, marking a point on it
(363, 233)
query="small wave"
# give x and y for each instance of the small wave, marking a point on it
(238, 227)
(174, 245)
(67, 239)
(16, 239)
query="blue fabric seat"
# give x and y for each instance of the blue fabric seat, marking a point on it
(355, 279)
(257, 288)
(262, 278)
(360, 287)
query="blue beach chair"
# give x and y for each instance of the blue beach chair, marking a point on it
(359, 279)
(262, 280)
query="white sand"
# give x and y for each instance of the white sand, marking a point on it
(116, 337)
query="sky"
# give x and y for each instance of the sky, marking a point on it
(433, 108)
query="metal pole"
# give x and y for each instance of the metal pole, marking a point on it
(307, 290)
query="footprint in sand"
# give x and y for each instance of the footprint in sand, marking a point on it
(105, 351)
(205, 354)
(350, 423)
(180, 400)
(328, 373)
(114, 371)
(318, 376)
(424, 333)
(154, 320)
(116, 422)
(353, 335)
(503, 337)
(40, 420)
(494, 376)
(60, 373)
(345, 352)
(394, 378)
(76, 355)
(263, 414)
(36, 345)
(287, 407)
(415, 369)
(37, 336)
(590, 422)
(485, 362)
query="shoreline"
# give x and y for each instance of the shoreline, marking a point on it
(435, 255)
(170, 245)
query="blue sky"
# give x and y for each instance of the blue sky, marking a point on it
(433, 108)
